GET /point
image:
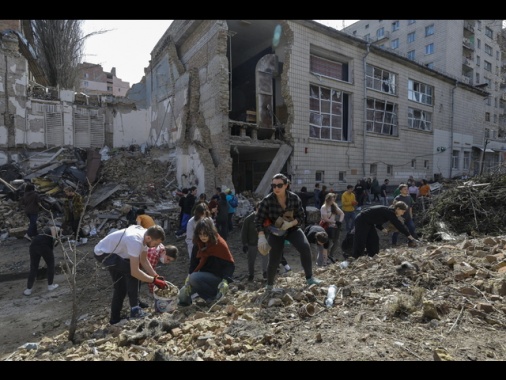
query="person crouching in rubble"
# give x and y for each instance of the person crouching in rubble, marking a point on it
(366, 238)
(211, 266)
(73, 207)
(124, 254)
(42, 246)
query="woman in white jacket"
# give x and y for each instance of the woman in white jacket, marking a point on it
(201, 211)
(333, 216)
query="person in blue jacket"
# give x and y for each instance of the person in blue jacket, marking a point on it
(231, 210)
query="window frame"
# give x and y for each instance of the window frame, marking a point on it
(382, 117)
(420, 92)
(429, 49)
(420, 120)
(381, 80)
(328, 117)
(466, 160)
(489, 50)
(317, 64)
(455, 159)
(429, 30)
(489, 32)
(373, 169)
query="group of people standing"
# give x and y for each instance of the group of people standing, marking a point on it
(220, 206)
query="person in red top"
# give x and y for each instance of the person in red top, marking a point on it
(165, 254)
(154, 254)
(211, 264)
(424, 189)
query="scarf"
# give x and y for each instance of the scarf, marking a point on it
(220, 250)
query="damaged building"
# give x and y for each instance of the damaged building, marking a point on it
(235, 101)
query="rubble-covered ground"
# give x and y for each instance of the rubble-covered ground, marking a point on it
(442, 300)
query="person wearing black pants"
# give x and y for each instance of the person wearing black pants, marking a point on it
(42, 247)
(372, 218)
(283, 209)
(123, 253)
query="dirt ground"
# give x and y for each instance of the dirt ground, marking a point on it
(383, 311)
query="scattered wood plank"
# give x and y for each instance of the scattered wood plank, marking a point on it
(103, 193)
(41, 172)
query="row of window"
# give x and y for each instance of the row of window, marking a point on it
(328, 118)
(429, 30)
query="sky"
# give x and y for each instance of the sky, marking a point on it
(128, 44)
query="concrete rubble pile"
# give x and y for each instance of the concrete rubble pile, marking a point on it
(447, 288)
(123, 177)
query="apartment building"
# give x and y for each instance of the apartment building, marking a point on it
(255, 97)
(469, 50)
(95, 81)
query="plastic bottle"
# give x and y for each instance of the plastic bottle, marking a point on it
(331, 295)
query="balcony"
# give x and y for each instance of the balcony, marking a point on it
(468, 44)
(467, 61)
(466, 80)
(469, 26)
(385, 36)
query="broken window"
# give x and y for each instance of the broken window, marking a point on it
(418, 119)
(328, 113)
(380, 80)
(420, 92)
(382, 117)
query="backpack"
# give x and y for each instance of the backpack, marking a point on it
(234, 202)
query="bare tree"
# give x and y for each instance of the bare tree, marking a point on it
(71, 260)
(59, 45)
